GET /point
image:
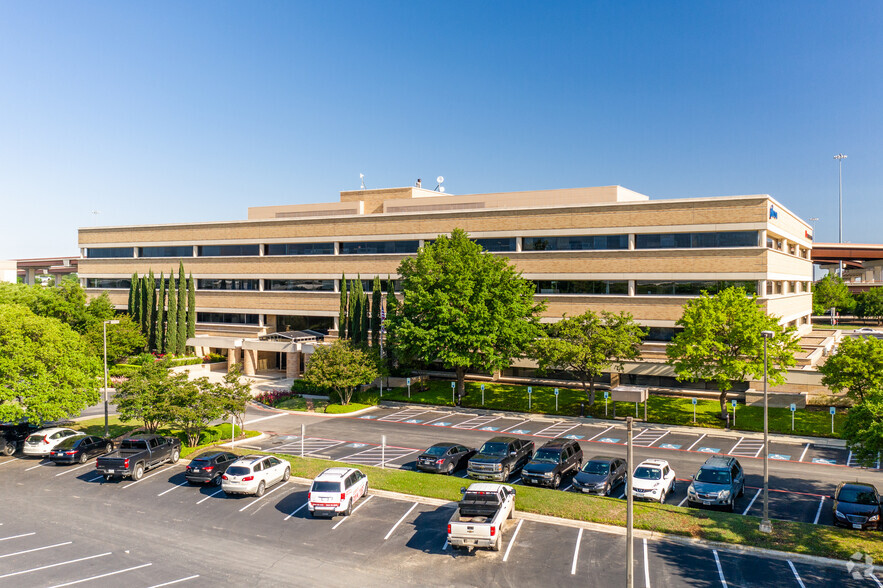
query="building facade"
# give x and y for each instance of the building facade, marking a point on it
(603, 248)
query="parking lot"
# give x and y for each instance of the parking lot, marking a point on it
(63, 526)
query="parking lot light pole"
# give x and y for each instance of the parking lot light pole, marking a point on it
(765, 525)
(840, 157)
(105, 323)
(629, 515)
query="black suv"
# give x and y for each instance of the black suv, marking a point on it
(551, 462)
(857, 505)
(12, 435)
(718, 482)
(499, 457)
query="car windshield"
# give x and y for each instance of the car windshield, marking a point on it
(546, 456)
(238, 470)
(645, 473)
(199, 463)
(494, 449)
(857, 496)
(325, 487)
(436, 450)
(70, 442)
(600, 468)
(709, 476)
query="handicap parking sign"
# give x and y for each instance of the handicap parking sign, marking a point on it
(694, 401)
(793, 407)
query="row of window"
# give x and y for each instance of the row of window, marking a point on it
(689, 287)
(773, 287)
(494, 244)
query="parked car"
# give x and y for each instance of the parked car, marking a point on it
(13, 435)
(480, 516)
(653, 480)
(444, 458)
(335, 491)
(499, 457)
(209, 467)
(253, 474)
(42, 442)
(80, 449)
(601, 474)
(552, 462)
(718, 482)
(857, 505)
(138, 454)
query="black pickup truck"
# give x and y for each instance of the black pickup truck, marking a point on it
(499, 457)
(137, 454)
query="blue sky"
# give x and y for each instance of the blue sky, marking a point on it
(178, 112)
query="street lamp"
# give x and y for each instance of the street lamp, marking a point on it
(840, 157)
(765, 525)
(105, 323)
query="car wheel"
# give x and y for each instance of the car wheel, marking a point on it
(108, 448)
(138, 472)
(449, 469)
(742, 490)
(732, 504)
(506, 474)
(107, 477)
(556, 481)
(9, 449)
(261, 488)
(216, 481)
(286, 475)
(498, 544)
(349, 509)
(662, 497)
(82, 458)
(175, 455)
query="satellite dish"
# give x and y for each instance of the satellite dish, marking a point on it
(441, 189)
(440, 179)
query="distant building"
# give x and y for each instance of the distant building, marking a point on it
(8, 271)
(46, 270)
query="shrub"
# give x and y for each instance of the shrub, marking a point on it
(187, 361)
(368, 398)
(143, 359)
(274, 397)
(122, 370)
(302, 387)
(214, 358)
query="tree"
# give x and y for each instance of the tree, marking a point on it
(131, 304)
(160, 331)
(145, 396)
(870, 304)
(191, 308)
(341, 317)
(721, 341)
(182, 310)
(100, 308)
(376, 302)
(830, 292)
(150, 331)
(46, 372)
(588, 344)
(857, 367)
(144, 313)
(364, 323)
(355, 311)
(863, 429)
(136, 300)
(193, 405)
(391, 310)
(235, 393)
(172, 319)
(123, 339)
(65, 301)
(341, 366)
(464, 307)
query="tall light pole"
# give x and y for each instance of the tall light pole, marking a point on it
(840, 157)
(630, 505)
(111, 322)
(765, 525)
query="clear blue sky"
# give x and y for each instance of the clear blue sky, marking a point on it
(176, 112)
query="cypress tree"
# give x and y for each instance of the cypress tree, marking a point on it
(366, 310)
(391, 308)
(376, 301)
(136, 300)
(130, 308)
(351, 314)
(191, 307)
(143, 313)
(160, 316)
(151, 311)
(341, 317)
(182, 310)
(172, 329)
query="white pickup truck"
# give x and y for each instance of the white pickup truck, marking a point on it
(480, 515)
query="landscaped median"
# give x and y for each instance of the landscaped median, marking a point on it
(803, 538)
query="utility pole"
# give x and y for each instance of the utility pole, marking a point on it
(629, 516)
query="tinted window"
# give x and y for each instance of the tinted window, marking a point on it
(435, 450)
(70, 442)
(857, 495)
(227, 318)
(585, 287)
(300, 285)
(228, 250)
(224, 284)
(645, 473)
(369, 247)
(325, 487)
(108, 283)
(238, 471)
(497, 243)
(547, 455)
(689, 288)
(495, 448)
(696, 240)
(591, 242)
(299, 249)
(599, 468)
(350, 480)
(173, 251)
(109, 252)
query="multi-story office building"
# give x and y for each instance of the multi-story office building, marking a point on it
(586, 248)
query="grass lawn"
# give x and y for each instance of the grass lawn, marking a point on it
(815, 421)
(709, 525)
(318, 405)
(95, 426)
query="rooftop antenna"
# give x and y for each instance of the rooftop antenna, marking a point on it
(362, 177)
(96, 212)
(439, 187)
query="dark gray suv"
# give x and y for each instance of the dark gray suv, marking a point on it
(718, 482)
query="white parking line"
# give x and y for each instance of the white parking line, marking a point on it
(55, 565)
(184, 483)
(512, 540)
(695, 442)
(413, 506)
(294, 512)
(215, 493)
(720, 570)
(556, 429)
(750, 504)
(41, 464)
(848, 460)
(569, 486)
(445, 546)
(474, 423)
(340, 522)
(819, 512)
(736, 445)
(159, 471)
(515, 425)
(876, 581)
(17, 536)
(444, 416)
(102, 576)
(681, 503)
(9, 461)
(282, 485)
(796, 575)
(601, 433)
(35, 549)
(576, 552)
(175, 581)
(805, 449)
(646, 566)
(69, 470)
(272, 416)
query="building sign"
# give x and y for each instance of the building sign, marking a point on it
(773, 213)
(808, 235)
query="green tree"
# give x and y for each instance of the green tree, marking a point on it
(132, 285)
(144, 314)
(136, 300)
(191, 308)
(870, 304)
(341, 317)
(100, 308)
(856, 367)
(159, 342)
(364, 323)
(46, 372)
(355, 311)
(376, 302)
(193, 405)
(721, 342)
(863, 429)
(172, 319)
(145, 396)
(464, 307)
(342, 367)
(831, 292)
(587, 345)
(391, 310)
(123, 339)
(235, 393)
(182, 310)
(65, 301)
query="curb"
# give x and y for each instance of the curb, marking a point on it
(307, 413)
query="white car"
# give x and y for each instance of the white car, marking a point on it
(653, 480)
(335, 490)
(253, 474)
(39, 444)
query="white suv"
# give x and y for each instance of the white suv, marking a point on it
(39, 444)
(253, 474)
(335, 490)
(653, 480)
